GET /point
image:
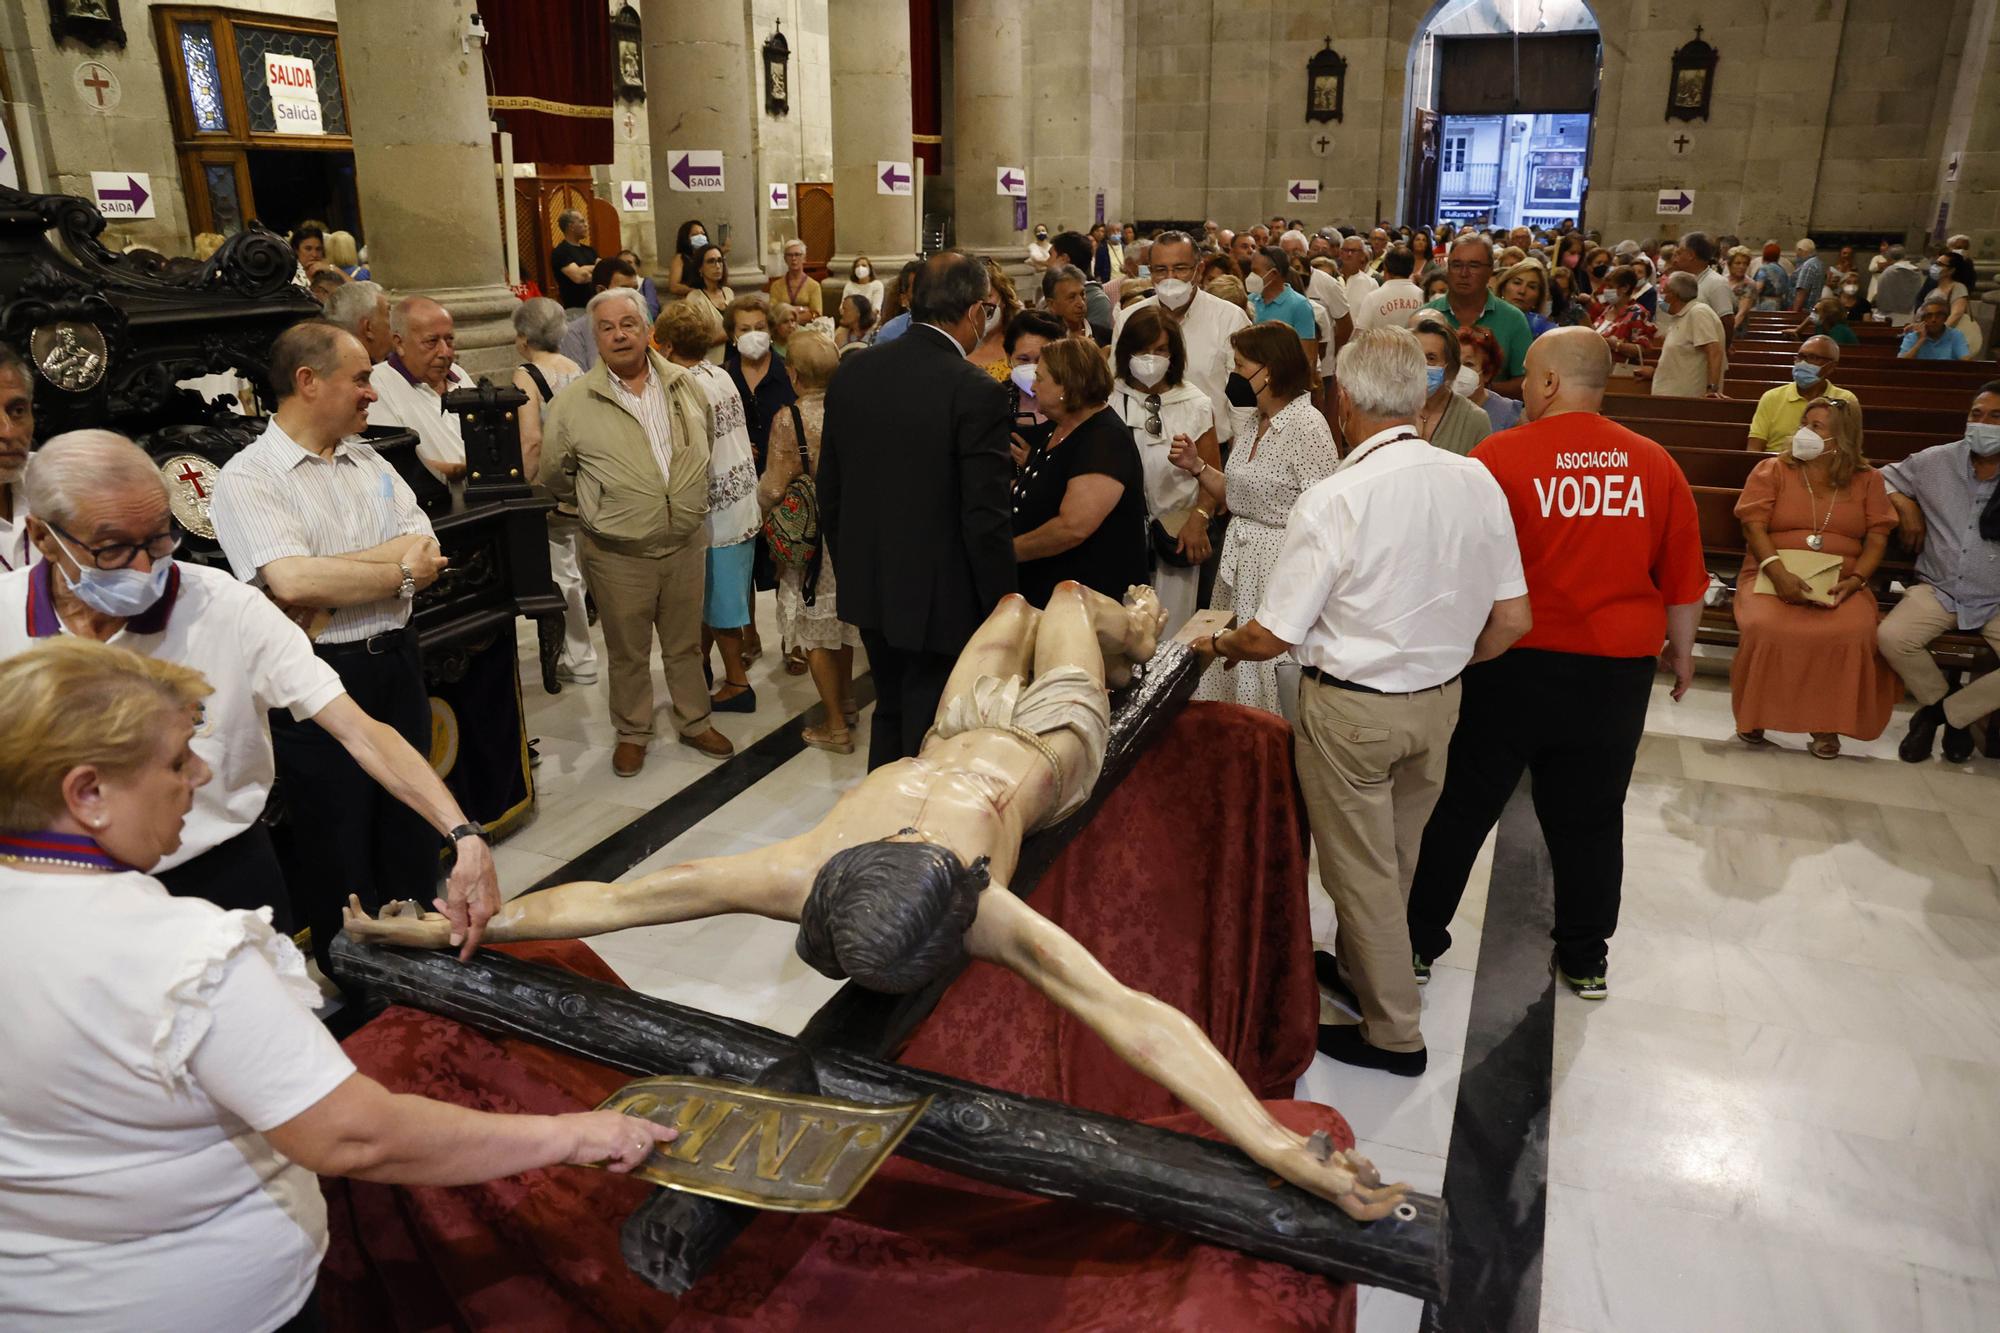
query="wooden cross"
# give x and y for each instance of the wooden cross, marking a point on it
(97, 83)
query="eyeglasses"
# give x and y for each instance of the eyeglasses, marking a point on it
(1469, 265)
(1153, 422)
(120, 555)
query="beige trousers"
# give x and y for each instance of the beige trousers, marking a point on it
(637, 598)
(1371, 767)
(1905, 635)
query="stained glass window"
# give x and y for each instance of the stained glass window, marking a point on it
(223, 205)
(204, 84)
(252, 44)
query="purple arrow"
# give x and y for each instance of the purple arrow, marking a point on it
(1009, 180)
(632, 197)
(681, 171)
(891, 179)
(133, 193)
(1299, 191)
(1682, 202)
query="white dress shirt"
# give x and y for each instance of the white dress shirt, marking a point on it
(277, 498)
(151, 1042)
(15, 550)
(1358, 288)
(414, 405)
(1390, 567)
(649, 408)
(1206, 325)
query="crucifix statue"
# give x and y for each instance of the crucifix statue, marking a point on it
(892, 887)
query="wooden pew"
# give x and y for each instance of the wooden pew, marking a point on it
(1879, 446)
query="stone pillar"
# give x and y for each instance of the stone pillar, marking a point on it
(869, 52)
(423, 167)
(702, 92)
(989, 118)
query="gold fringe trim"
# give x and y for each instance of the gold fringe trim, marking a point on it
(926, 138)
(547, 107)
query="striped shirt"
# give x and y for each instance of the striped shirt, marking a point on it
(277, 498)
(649, 408)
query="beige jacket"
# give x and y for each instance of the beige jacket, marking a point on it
(595, 457)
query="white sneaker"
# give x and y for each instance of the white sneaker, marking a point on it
(570, 675)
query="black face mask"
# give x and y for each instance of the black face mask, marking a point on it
(1238, 391)
(1600, 271)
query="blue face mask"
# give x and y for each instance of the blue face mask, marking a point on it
(1145, 270)
(123, 593)
(1433, 378)
(1805, 374)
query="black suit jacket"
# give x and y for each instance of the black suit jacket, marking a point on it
(915, 492)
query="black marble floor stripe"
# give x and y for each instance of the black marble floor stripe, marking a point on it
(1496, 1170)
(698, 800)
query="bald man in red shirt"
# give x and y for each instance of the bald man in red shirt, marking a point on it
(1611, 546)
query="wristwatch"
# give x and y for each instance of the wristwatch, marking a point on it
(408, 588)
(464, 831)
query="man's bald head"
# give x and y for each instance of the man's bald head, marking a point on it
(1567, 372)
(1821, 346)
(425, 339)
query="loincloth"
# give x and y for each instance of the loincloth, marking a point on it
(1066, 698)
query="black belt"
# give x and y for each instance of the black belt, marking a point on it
(374, 645)
(1328, 678)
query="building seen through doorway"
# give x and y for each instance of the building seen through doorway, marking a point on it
(1512, 171)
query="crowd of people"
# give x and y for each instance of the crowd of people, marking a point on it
(1383, 454)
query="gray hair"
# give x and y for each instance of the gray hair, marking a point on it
(540, 323)
(1807, 246)
(786, 248)
(359, 300)
(1058, 275)
(1941, 302)
(568, 218)
(399, 313)
(1897, 254)
(1382, 372)
(82, 465)
(1470, 238)
(1699, 242)
(1682, 284)
(610, 294)
(1293, 235)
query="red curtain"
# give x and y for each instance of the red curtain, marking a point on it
(926, 121)
(1200, 902)
(550, 78)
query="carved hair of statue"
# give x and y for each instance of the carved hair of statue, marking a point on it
(891, 915)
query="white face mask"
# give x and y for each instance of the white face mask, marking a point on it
(861, 272)
(1173, 292)
(1466, 383)
(1983, 437)
(696, 241)
(1024, 379)
(1148, 369)
(1807, 444)
(754, 344)
(992, 321)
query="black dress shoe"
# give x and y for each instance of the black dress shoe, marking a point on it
(1326, 970)
(1344, 1042)
(1917, 741)
(1957, 744)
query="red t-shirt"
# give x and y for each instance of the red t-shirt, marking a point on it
(1608, 533)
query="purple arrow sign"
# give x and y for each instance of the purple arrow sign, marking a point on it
(688, 174)
(1300, 190)
(1009, 179)
(893, 178)
(681, 171)
(633, 196)
(133, 194)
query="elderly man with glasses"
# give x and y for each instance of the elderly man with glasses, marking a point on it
(1469, 299)
(1780, 410)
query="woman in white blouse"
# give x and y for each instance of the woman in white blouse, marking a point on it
(167, 1093)
(1168, 417)
(1279, 452)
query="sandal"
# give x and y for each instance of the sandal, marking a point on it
(795, 663)
(1824, 747)
(841, 742)
(1753, 737)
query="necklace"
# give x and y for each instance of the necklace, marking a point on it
(57, 849)
(1813, 540)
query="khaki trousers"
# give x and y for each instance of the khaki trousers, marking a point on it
(1905, 635)
(1371, 767)
(639, 597)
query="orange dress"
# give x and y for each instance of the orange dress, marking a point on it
(1807, 668)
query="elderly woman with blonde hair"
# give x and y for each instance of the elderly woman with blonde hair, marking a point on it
(169, 1094)
(1806, 658)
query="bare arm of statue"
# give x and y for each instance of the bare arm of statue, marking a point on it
(1168, 1047)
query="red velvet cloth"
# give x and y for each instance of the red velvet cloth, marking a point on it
(1189, 883)
(926, 114)
(551, 78)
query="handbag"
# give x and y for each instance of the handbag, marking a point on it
(1166, 535)
(1819, 569)
(791, 529)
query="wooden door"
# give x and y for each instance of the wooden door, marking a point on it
(217, 184)
(605, 236)
(812, 203)
(1421, 207)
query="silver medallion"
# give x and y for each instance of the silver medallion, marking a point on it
(70, 354)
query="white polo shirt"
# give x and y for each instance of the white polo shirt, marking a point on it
(1206, 325)
(1390, 567)
(1389, 305)
(252, 657)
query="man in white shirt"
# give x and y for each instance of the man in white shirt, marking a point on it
(1378, 249)
(1355, 280)
(103, 525)
(1696, 254)
(1324, 288)
(17, 437)
(323, 523)
(1396, 299)
(1207, 322)
(411, 383)
(1395, 573)
(362, 308)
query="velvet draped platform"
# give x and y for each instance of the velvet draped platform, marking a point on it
(1189, 883)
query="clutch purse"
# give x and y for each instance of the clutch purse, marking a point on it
(1819, 570)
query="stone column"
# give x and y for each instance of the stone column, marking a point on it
(702, 91)
(423, 167)
(869, 53)
(989, 118)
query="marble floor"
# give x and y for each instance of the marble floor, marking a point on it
(1787, 1116)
